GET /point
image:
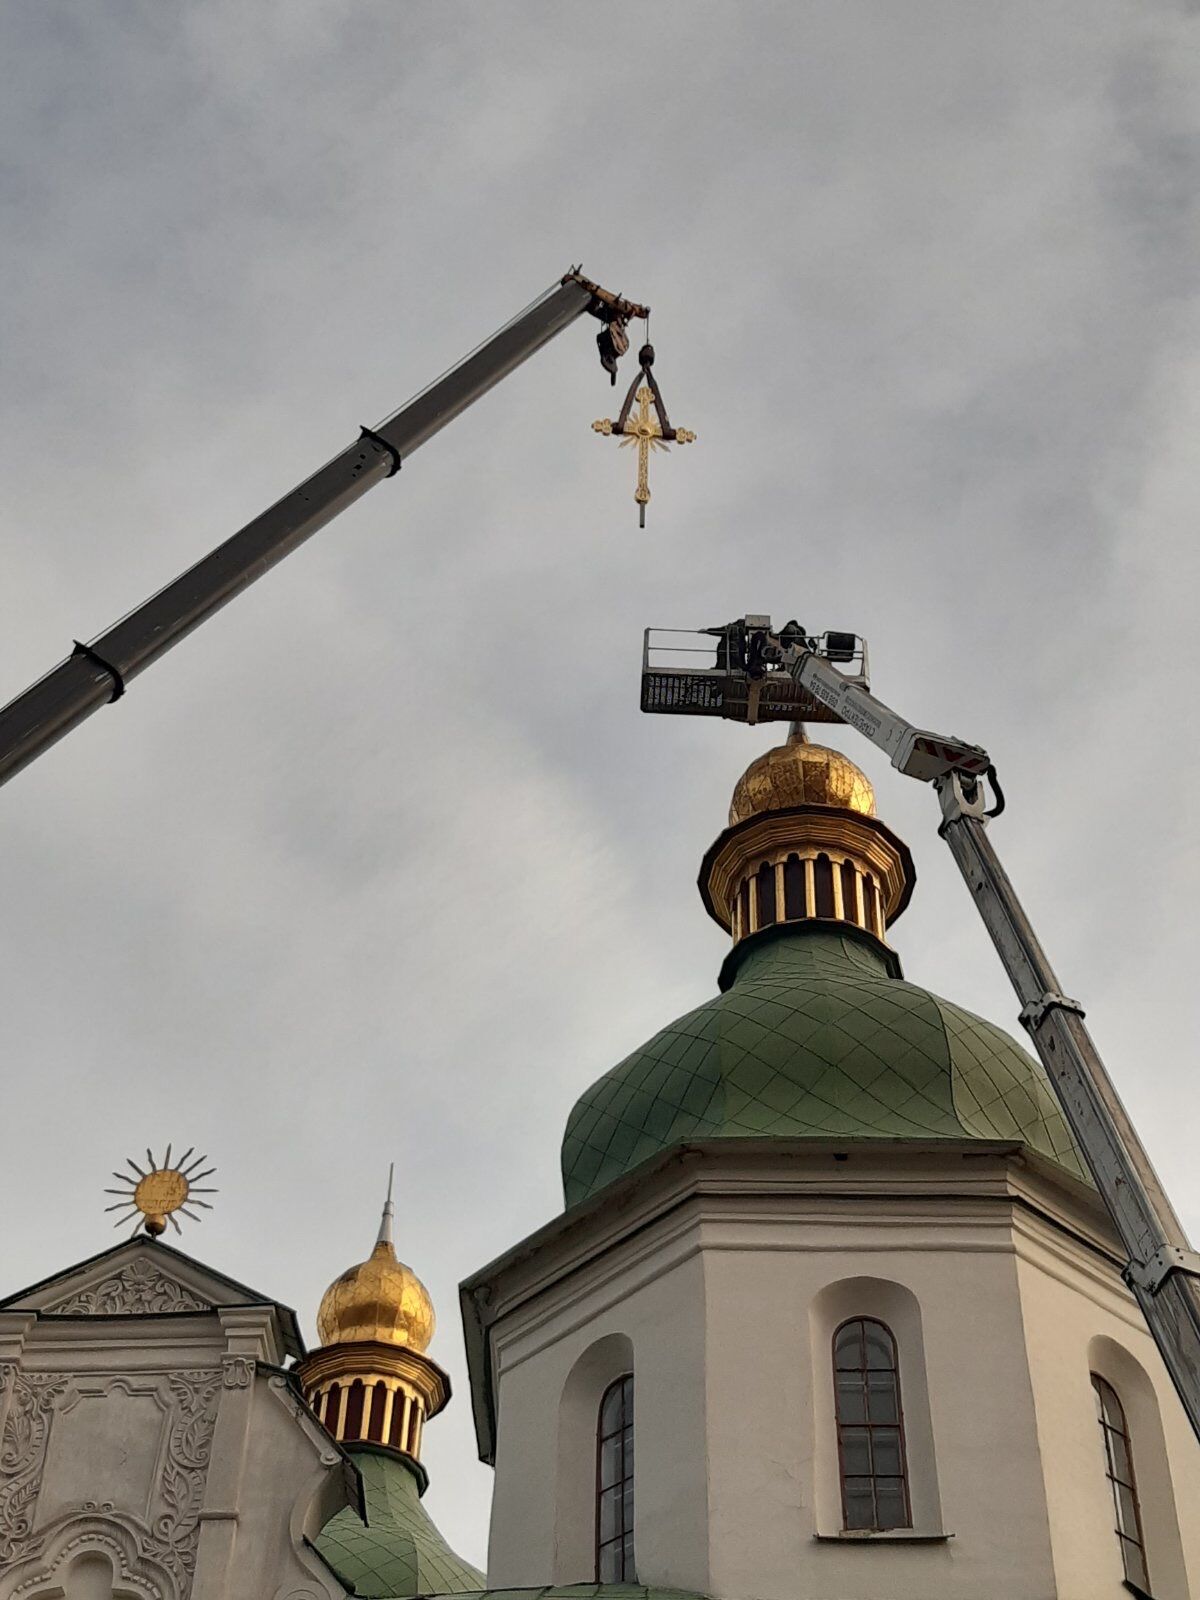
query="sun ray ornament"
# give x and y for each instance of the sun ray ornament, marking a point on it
(648, 429)
(156, 1192)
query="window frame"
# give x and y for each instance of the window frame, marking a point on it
(627, 1572)
(1106, 1397)
(839, 1425)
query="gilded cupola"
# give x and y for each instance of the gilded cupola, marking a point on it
(800, 773)
(379, 1299)
(370, 1380)
(804, 843)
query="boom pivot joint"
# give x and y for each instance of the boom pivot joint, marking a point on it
(615, 313)
(1149, 1276)
(1035, 1012)
(605, 304)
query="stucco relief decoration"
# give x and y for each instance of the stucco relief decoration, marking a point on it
(239, 1372)
(176, 1532)
(22, 1452)
(94, 1532)
(168, 1545)
(138, 1288)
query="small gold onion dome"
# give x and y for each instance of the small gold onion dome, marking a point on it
(379, 1299)
(801, 774)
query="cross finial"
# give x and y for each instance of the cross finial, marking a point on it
(389, 1210)
(648, 429)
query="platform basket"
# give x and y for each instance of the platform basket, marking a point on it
(680, 677)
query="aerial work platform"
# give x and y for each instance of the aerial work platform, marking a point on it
(722, 672)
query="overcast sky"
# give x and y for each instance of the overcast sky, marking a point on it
(384, 863)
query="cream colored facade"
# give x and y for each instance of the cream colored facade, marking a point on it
(718, 1276)
(153, 1448)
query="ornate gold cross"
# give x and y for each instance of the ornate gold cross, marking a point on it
(649, 430)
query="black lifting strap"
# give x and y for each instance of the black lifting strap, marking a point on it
(89, 654)
(377, 438)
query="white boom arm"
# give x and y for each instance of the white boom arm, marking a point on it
(1162, 1271)
(917, 754)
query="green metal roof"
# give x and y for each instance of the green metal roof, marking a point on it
(399, 1553)
(817, 1036)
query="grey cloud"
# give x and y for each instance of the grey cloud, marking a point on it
(384, 862)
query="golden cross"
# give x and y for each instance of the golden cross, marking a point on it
(644, 431)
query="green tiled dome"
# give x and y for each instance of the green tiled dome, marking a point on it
(813, 1038)
(399, 1553)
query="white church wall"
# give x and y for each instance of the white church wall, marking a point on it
(721, 1282)
(609, 1358)
(1079, 1319)
(946, 1288)
(1152, 1466)
(554, 1358)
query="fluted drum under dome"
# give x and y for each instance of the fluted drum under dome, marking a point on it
(370, 1380)
(379, 1299)
(804, 844)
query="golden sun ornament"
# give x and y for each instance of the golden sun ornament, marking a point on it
(156, 1193)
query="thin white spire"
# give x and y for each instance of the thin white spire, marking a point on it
(389, 1210)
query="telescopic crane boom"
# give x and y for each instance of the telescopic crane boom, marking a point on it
(97, 673)
(762, 674)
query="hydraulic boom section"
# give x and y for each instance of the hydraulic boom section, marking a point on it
(757, 673)
(96, 673)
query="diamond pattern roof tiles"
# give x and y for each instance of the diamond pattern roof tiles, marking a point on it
(399, 1553)
(814, 1038)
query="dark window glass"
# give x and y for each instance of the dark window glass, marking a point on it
(395, 1433)
(332, 1396)
(378, 1407)
(614, 1484)
(354, 1411)
(849, 903)
(870, 1427)
(793, 889)
(823, 885)
(744, 903)
(766, 895)
(1118, 1465)
(871, 904)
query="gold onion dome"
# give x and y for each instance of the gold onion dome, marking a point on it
(379, 1299)
(801, 774)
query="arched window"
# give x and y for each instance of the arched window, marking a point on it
(1118, 1465)
(823, 885)
(352, 1429)
(614, 1484)
(794, 905)
(378, 1408)
(871, 905)
(766, 895)
(849, 902)
(329, 1415)
(870, 1427)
